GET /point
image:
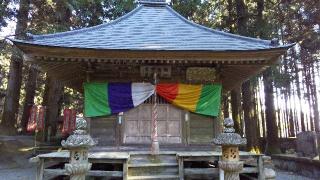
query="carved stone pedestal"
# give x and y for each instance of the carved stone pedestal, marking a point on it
(78, 143)
(269, 174)
(77, 171)
(231, 169)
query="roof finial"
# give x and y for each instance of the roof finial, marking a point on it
(274, 42)
(153, 2)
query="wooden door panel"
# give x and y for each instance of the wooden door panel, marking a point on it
(132, 114)
(145, 128)
(162, 128)
(174, 128)
(103, 129)
(174, 113)
(138, 128)
(201, 129)
(132, 128)
(144, 112)
(162, 112)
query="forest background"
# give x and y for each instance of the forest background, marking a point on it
(278, 103)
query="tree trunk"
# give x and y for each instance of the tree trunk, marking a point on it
(297, 82)
(242, 17)
(11, 104)
(235, 106)
(29, 99)
(225, 101)
(272, 129)
(315, 101)
(52, 101)
(250, 123)
(229, 19)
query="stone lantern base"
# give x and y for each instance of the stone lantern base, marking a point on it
(231, 169)
(77, 171)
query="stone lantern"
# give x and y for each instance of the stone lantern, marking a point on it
(230, 142)
(78, 143)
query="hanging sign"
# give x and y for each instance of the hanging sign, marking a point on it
(32, 121)
(40, 119)
(69, 121)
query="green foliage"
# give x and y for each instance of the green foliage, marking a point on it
(7, 11)
(116, 8)
(289, 20)
(4, 65)
(72, 99)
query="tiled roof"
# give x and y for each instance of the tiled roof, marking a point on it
(151, 26)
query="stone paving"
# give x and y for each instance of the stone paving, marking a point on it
(14, 164)
(284, 175)
(29, 174)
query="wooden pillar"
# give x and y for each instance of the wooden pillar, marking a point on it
(40, 169)
(88, 80)
(181, 168)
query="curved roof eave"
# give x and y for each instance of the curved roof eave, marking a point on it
(274, 48)
(219, 41)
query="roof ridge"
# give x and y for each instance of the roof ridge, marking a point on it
(87, 28)
(267, 42)
(152, 2)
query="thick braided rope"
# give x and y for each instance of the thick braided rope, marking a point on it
(154, 121)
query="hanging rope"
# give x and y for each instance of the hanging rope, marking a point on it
(154, 135)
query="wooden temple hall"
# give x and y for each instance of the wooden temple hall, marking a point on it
(151, 78)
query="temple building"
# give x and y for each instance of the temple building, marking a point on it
(128, 52)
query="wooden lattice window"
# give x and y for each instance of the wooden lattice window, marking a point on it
(160, 100)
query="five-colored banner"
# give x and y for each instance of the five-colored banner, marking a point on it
(103, 99)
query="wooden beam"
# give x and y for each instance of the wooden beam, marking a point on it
(95, 173)
(78, 53)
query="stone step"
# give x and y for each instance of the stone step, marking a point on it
(153, 177)
(150, 159)
(147, 166)
(153, 170)
(152, 165)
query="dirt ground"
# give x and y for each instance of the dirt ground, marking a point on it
(16, 151)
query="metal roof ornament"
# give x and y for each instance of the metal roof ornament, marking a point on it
(153, 2)
(274, 42)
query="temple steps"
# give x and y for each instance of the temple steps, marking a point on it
(154, 177)
(152, 165)
(147, 166)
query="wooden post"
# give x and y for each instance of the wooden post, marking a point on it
(181, 168)
(125, 170)
(221, 173)
(118, 127)
(40, 169)
(261, 175)
(88, 80)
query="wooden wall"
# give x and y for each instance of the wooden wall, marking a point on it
(174, 127)
(104, 130)
(200, 129)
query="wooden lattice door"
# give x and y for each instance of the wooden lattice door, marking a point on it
(137, 124)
